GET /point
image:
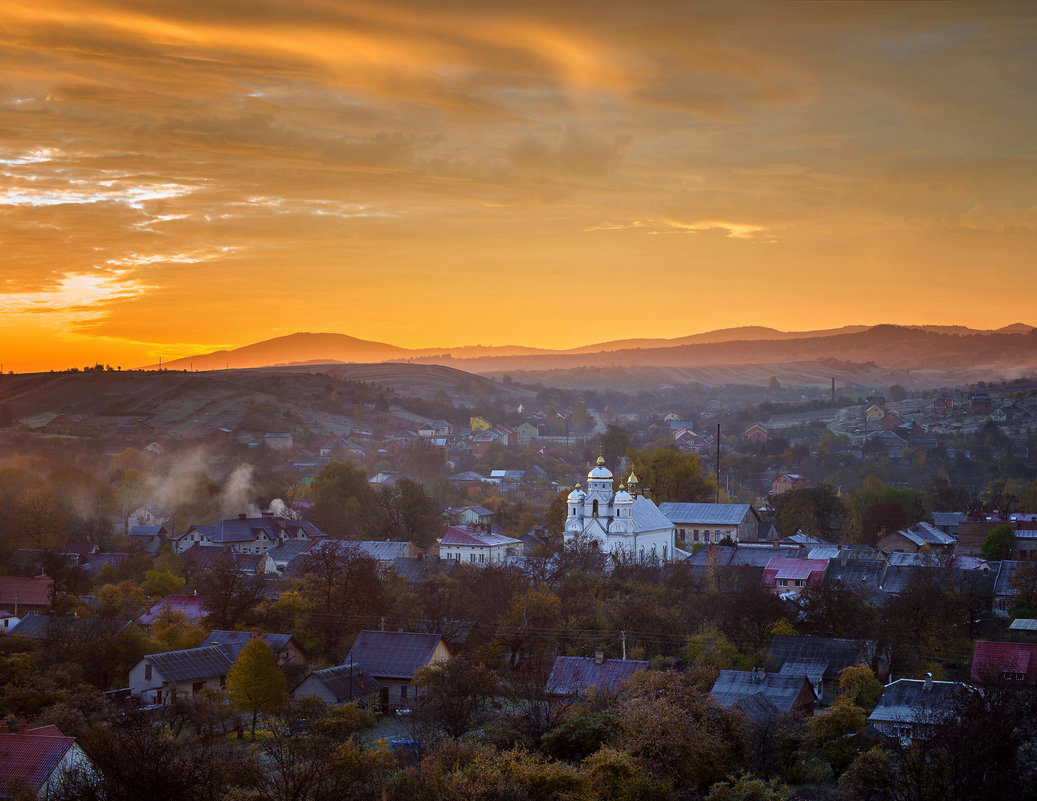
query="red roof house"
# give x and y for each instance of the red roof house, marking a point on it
(1009, 662)
(37, 758)
(20, 595)
(783, 574)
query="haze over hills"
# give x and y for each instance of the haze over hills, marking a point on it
(931, 349)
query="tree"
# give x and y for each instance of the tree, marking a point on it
(254, 683)
(230, 594)
(672, 475)
(860, 687)
(614, 444)
(818, 511)
(411, 513)
(999, 544)
(897, 393)
(557, 511)
(836, 735)
(344, 505)
(746, 787)
(457, 695)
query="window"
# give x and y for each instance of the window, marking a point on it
(799, 582)
(403, 691)
(147, 671)
(482, 557)
(783, 582)
(471, 557)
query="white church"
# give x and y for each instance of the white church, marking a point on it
(623, 523)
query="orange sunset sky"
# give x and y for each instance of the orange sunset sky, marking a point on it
(181, 176)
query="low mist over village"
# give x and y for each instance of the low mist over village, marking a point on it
(338, 580)
(518, 401)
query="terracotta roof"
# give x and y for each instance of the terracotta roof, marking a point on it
(29, 591)
(994, 659)
(32, 757)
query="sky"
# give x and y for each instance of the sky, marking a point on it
(181, 177)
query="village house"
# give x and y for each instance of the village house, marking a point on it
(787, 694)
(20, 595)
(789, 481)
(285, 648)
(572, 676)
(278, 440)
(712, 522)
(147, 539)
(1006, 663)
(912, 709)
(820, 659)
(341, 684)
(161, 678)
(782, 575)
(756, 434)
(192, 607)
(38, 759)
(248, 534)
(392, 658)
(915, 539)
(469, 515)
(473, 545)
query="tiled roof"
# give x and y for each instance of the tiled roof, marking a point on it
(572, 675)
(192, 664)
(393, 654)
(29, 591)
(248, 529)
(31, 757)
(233, 641)
(707, 514)
(992, 659)
(346, 681)
(733, 685)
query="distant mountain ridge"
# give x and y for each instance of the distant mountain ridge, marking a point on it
(903, 347)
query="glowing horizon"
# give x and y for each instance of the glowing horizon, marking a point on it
(182, 178)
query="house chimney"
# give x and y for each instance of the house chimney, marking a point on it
(243, 516)
(928, 681)
(599, 657)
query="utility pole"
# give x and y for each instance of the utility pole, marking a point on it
(718, 463)
(623, 640)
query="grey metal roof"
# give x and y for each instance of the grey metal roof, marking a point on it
(40, 627)
(192, 664)
(383, 551)
(233, 641)
(346, 682)
(393, 654)
(758, 708)
(1024, 624)
(647, 516)
(947, 518)
(707, 514)
(146, 531)
(781, 690)
(910, 701)
(926, 534)
(418, 570)
(572, 675)
(832, 655)
(759, 556)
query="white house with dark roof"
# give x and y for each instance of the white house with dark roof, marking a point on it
(161, 678)
(245, 534)
(712, 522)
(622, 523)
(341, 684)
(470, 545)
